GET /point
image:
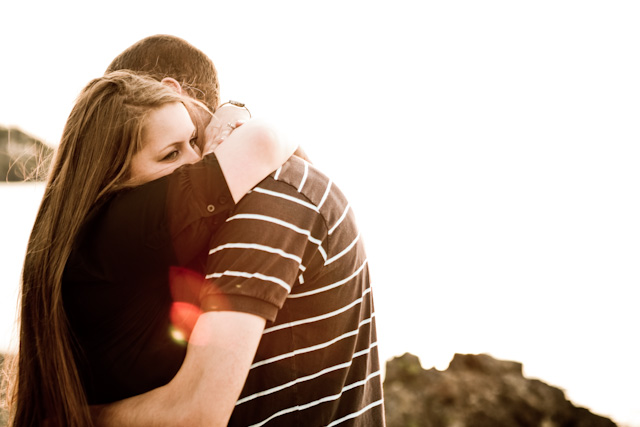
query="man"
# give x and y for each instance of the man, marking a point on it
(287, 335)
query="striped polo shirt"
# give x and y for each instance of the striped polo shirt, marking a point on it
(292, 253)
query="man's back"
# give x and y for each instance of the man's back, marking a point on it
(291, 252)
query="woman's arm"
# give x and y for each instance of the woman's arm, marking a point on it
(249, 154)
(246, 153)
(205, 390)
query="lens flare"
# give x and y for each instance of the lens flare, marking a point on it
(183, 318)
(177, 335)
(191, 291)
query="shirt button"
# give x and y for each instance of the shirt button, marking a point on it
(211, 208)
(222, 200)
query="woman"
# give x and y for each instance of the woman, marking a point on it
(122, 173)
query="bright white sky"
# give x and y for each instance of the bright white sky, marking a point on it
(490, 150)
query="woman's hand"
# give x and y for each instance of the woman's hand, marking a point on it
(226, 119)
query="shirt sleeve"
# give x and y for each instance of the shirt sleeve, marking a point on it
(259, 253)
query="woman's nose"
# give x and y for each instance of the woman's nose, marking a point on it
(193, 155)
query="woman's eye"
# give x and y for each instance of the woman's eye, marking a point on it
(193, 141)
(171, 156)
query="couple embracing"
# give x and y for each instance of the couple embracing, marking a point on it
(188, 266)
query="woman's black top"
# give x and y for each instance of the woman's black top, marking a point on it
(134, 274)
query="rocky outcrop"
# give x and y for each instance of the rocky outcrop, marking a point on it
(22, 156)
(476, 391)
(4, 416)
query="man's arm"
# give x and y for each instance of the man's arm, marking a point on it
(205, 390)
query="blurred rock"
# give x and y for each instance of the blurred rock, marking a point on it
(4, 416)
(22, 156)
(476, 391)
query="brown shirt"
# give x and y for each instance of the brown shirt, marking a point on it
(291, 252)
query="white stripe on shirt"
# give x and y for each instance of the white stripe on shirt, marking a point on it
(313, 347)
(271, 279)
(326, 194)
(323, 400)
(331, 286)
(310, 377)
(257, 247)
(341, 254)
(286, 197)
(294, 382)
(344, 215)
(304, 177)
(277, 174)
(278, 222)
(317, 318)
(356, 414)
(323, 253)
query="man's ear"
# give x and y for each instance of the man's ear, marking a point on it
(173, 84)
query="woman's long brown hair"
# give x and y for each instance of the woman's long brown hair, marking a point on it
(101, 135)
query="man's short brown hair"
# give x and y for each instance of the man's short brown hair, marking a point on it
(163, 56)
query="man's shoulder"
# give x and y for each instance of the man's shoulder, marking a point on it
(305, 179)
(297, 172)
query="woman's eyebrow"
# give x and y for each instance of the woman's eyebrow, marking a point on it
(169, 147)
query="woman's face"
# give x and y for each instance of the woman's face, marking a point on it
(168, 141)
